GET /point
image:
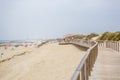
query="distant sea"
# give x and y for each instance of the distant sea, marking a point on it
(4, 41)
(18, 41)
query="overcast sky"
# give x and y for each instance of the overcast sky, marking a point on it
(41, 19)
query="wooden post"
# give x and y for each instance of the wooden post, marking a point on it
(109, 44)
(89, 65)
(88, 62)
(85, 71)
(78, 78)
(106, 44)
(118, 46)
(113, 45)
(82, 74)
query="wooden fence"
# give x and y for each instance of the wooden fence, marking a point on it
(115, 45)
(83, 71)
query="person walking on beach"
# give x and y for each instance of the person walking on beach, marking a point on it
(1, 55)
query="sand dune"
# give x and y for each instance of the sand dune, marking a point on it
(49, 62)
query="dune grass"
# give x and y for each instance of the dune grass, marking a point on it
(110, 36)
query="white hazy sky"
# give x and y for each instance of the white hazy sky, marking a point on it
(40, 19)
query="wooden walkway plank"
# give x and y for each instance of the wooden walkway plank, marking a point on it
(107, 65)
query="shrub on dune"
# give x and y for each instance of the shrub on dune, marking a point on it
(111, 36)
(92, 35)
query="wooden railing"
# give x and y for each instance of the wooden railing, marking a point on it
(115, 45)
(83, 71)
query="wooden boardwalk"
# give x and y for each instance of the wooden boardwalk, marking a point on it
(107, 65)
(101, 62)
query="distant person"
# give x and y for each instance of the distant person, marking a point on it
(1, 55)
(5, 47)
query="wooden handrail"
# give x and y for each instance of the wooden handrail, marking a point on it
(84, 68)
(83, 71)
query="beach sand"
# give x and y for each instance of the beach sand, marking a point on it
(48, 62)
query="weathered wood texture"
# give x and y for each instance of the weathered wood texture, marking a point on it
(83, 71)
(104, 67)
(107, 65)
(115, 45)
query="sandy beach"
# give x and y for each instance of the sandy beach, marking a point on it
(48, 62)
